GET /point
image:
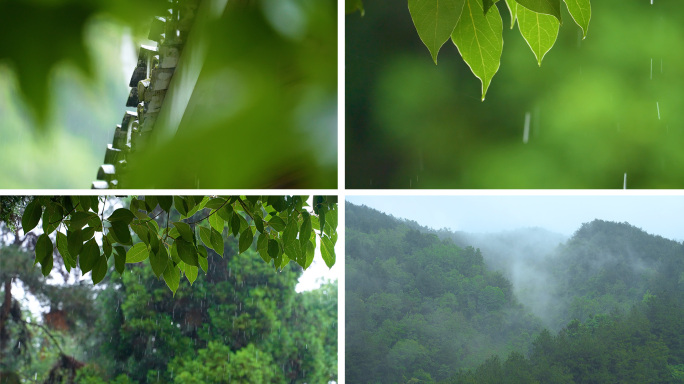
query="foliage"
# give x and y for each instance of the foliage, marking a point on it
(33, 23)
(475, 27)
(238, 317)
(608, 266)
(39, 346)
(624, 348)
(284, 230)
(10, 210)
(419, 308)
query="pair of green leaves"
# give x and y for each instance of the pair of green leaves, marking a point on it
(476, 28)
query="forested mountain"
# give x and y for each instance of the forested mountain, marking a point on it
(610, 297)
(419, 307)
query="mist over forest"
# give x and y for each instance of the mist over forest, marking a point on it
(521, 306)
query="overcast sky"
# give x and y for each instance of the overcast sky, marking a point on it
(659, 215)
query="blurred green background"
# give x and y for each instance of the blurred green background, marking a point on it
(598, 108)
(263, 114)
(70, 146)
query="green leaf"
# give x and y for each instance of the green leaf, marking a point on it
(88, 233)
(185, 231)
(88, 256)
(159, 260)
(245, 241)
(580, 10)
(321, 221)
(547, 7)
(120, 259)
(165, 202)
(435, 21)
(151, 203)
(31, 216)
(205, 236)
(106, 246)
(258, 222)
(277, 223)
(309, 253)
(191, 273)
(142, 231)
(154, 238)
(195, 203)
(513, 9)
(99, 269)
(294, 252)
(52, 217)
(181, 205)
(273, 249)
(305, 231)
(74, 242)
(121, 233)
(79, 219)
(82, 202)
(235, 223)
(44, 254)
(215, 203)
(262, 247)
(328, 251)
(479, 39)
(121, 215)
(202, 259)
(216, 241)
(173, 252)
(488, 4)
(539, 30)
(226, 213)
(172, 278)
(94, 202)
(331, 219)
(187, 252)
(63, 248)
(95, 222)
(137, 253)
(216, 222)
(290, 234)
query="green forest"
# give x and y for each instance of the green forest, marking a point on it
(240, 321)
(424, 306)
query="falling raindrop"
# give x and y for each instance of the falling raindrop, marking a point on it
(651, 76)
(658, 107)
(526, 128)
(624, 183)
(651, 2)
